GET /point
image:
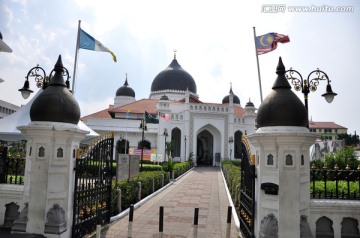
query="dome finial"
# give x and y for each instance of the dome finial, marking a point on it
(281, 80)
(231, 91)
(126, 82)
(175, 54)
(280, 69)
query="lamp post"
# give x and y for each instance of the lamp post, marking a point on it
(185, 147)
(143, 127)
(165, 134)
(231, 140)
(41, 80)
(310, 84)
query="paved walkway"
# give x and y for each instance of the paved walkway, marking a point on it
(203, 187)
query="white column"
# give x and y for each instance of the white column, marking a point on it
(49, 178)
(286, 146)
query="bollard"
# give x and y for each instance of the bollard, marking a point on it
(228, 228)
(139, 194)
(172, 175)
(168, 175)
(131, 218)
(118, 199)
(161, 222)
(196, 222)
(162, 180)
(98, 231)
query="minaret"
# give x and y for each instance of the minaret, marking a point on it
(282, 143)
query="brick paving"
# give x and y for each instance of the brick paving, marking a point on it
(203, 187)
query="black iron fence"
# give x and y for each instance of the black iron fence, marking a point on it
(12, 167)
(335, 183)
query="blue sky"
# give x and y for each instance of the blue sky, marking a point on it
(214, 42)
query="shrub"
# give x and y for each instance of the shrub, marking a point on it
(130, 188)
(232, 172)
(151, 167)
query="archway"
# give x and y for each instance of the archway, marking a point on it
(204, 148)
(176, 140)
(121, 145)
(237, 144)
(146, 144)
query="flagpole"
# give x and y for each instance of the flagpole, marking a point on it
(76, 56)
(258, 68)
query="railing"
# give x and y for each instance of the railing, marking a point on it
(335, 183)
(13, 171)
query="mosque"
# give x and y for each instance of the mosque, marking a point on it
(206, 132)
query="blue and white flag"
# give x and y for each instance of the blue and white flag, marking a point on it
(90, 43)
(128, 115)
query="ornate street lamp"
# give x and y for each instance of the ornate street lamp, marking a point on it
(41, 80)
(185, 147)
(143, 127)
(231, 140)
(310, 84)
(165, 134)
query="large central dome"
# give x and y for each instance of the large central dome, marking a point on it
(173, 78)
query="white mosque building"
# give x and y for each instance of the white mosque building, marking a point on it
(209, 131)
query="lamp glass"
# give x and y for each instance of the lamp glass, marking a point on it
(25, 93)
(329, 97)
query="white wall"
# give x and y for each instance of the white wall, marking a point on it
(335, 210)
(10, 193)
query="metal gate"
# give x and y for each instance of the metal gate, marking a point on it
(247, 193)
(92, 192)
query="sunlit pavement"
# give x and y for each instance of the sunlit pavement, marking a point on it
(203, 187)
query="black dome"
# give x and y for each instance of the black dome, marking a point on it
(125, 90)
(164, 97)
(56, 103)
(173, 78)
(282, 107)
(249, 104)
(226, 99)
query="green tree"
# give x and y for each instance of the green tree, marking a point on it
(342, 158)
(349, 140)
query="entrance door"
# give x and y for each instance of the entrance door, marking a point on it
(204, 149)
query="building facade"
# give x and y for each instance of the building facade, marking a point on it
(7, 109)
(208, 131)
(326, 130)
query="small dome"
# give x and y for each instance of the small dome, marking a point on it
(56, 103)
(282, 107)
(249, 104)
(173, 78)
(125, 90)
(226, 99)
(164, 98)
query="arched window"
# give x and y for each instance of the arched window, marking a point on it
(349, 227)
(302, 160)
(60, 153)
(41, 152)
(270, 159)
(288, 160)
(324, 227)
